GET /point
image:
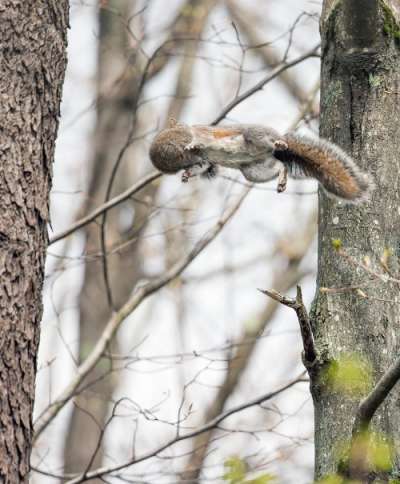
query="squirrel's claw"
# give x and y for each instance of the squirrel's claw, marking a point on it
(281, 187)
(280, 145)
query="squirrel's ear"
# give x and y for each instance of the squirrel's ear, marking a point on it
(172, 122)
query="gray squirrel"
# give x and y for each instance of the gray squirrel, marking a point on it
(261, 154)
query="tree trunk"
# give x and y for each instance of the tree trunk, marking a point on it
(360, 112)
(33, 59)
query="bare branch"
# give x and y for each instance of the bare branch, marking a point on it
(370, 404)
(266, 52)
(212, 424)
(263, 82)
(376, 275)
(106, 206)
(358, 465)
(140, 294)
(310, 354)
(183, 24)
(284, 280)
(295, 251)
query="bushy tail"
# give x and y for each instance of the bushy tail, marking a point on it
(330, 165)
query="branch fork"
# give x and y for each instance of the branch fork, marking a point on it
(309, 352)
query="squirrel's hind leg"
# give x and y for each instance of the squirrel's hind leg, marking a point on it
(282, 179)
(261, 171)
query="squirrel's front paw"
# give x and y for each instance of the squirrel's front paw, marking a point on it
(185, 176)
(280, 145)
(192, 147)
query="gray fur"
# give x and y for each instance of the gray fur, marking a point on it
(259, 152)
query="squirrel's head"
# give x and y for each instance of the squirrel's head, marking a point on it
(167, 150)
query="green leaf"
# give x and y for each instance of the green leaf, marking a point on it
(262, 479)
(236, 470)
(337, 244)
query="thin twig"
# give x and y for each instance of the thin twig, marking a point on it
(266, 50)
(263, 82)
(91, 217)
(140, 294)
(354, 262)
(344, 289)
(212, 424)
(114, 171)
(240, 359)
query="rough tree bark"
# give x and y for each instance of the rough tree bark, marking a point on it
(33, 38)
(359, 111)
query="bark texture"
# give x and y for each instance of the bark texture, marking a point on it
(360, 112)
(33, 59)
